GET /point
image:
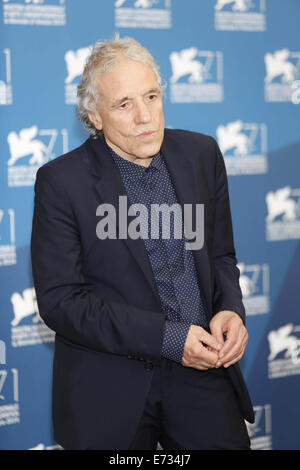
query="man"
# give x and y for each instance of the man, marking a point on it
(149, 329)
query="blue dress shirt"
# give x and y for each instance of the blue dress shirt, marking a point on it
(172, 265)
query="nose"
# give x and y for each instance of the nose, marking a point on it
(142, 113)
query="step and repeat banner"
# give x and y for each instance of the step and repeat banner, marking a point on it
(232, 70)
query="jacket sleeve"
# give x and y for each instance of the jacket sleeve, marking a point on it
(227, 292)
(66, 300)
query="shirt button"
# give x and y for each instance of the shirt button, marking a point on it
(148, 366)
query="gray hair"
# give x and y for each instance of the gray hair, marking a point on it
(104, 56)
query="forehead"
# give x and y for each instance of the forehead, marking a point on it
(127, 77)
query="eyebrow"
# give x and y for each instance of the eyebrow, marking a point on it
(118, 102)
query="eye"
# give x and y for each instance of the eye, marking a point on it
(124, 105)
(152, 97)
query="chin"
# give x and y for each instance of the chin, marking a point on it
(151, 150)
(150, 153)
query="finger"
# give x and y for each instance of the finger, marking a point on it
(217, 332)
(209, 358)
(236, 352)
(200, 357)
(196, 364)
(209, 340)
(234, 360)
(234, 340)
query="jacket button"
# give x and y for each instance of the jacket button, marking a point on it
(148, 366)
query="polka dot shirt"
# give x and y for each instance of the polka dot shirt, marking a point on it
(172, 265)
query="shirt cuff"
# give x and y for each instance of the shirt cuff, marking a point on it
(174, 337)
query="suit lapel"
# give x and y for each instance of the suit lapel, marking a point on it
(185, 177)
(109, 185)
(189, 186)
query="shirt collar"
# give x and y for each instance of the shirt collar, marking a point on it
(134, 171)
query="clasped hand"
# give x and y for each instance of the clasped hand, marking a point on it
(205, 350)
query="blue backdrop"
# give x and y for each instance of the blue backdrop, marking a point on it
(232, 70)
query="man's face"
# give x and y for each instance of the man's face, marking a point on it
(131, 111)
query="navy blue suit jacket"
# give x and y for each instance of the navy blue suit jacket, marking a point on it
(100, 297)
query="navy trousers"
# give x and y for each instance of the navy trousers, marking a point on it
(187, 409)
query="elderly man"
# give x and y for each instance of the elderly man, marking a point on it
(149, 329)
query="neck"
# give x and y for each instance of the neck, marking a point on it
(142, 161)
(137, 160)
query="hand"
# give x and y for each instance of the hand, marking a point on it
(201, 349)
(230, 324)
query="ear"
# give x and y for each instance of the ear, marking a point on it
(96, 120)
